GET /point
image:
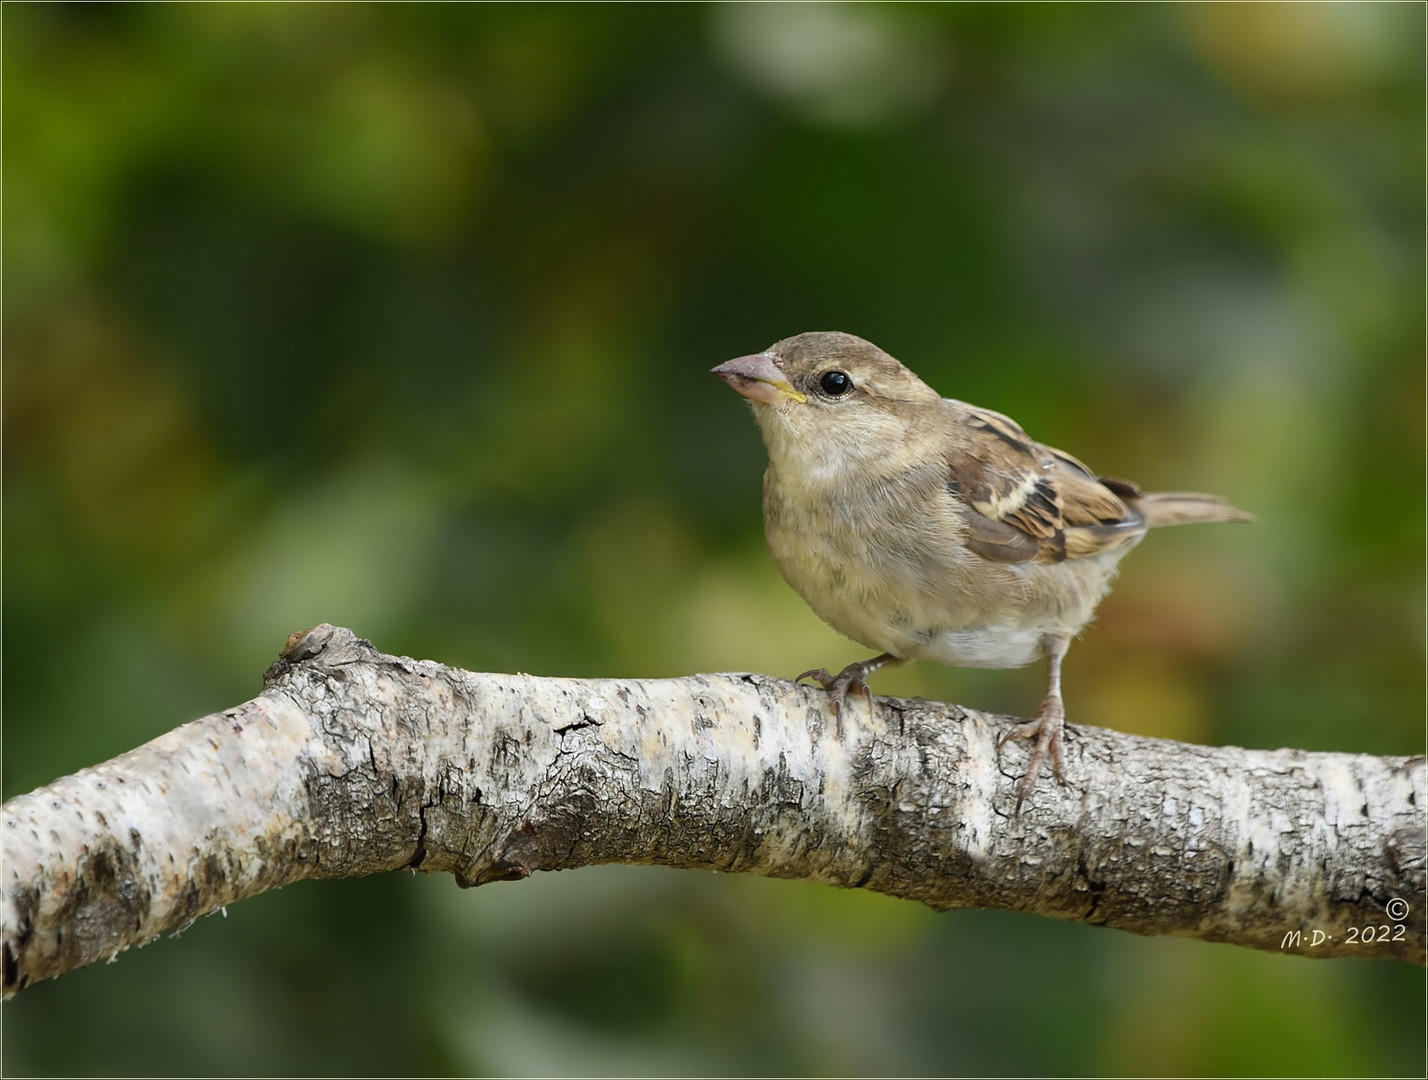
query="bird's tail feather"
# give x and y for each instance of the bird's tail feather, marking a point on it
(1187, 508)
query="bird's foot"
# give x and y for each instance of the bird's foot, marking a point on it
(1047, 730)
(852, 679)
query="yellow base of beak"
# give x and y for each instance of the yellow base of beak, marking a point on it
(758, 378)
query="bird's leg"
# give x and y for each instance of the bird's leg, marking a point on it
(1046, 729)
(852, 678)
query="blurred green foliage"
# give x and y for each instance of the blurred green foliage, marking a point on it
(400, 316)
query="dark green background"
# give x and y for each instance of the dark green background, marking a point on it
(400, 317)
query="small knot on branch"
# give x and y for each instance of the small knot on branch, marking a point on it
(324, 646)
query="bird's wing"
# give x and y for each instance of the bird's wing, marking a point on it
(1032, 503)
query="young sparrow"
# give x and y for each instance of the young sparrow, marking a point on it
(927, 528)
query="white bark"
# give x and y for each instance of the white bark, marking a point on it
(352, 762)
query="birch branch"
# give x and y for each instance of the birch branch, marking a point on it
(352, 762)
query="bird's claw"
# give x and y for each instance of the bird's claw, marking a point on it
(1047, 730)
(852, 679)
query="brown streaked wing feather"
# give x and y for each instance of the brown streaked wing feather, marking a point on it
(1085, 540)
(1031, 502)
(1000, 542)
(1126, 489)
(1015, 485)
(1097, 518)
(1002, 475)
(1087, 501)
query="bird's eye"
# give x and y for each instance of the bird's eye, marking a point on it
(835, 383)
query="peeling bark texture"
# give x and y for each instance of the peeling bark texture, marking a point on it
(352, 762)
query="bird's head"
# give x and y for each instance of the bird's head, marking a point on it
(828, 397)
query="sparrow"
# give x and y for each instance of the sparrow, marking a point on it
(930, 529)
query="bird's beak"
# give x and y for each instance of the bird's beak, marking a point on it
(758, 378)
